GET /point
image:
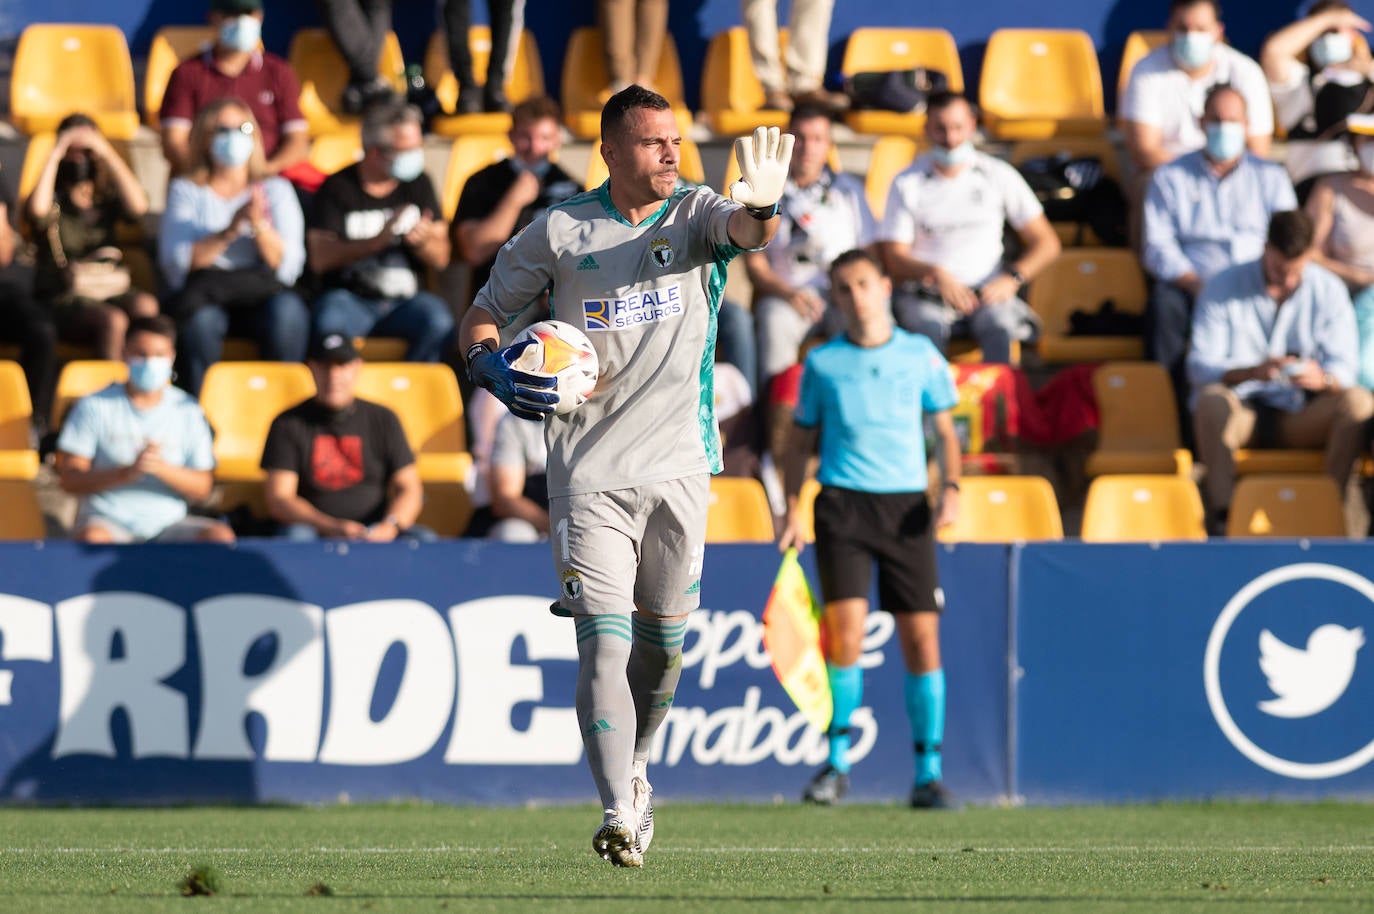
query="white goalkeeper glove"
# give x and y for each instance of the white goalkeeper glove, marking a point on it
(763, 159)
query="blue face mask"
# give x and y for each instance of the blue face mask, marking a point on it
(1331, 48)
(958, 155)
(1225, 140)
(407, 166)
(241, 33)
(231, 148)
(150, 374)
(538, 169)
(1192, 49)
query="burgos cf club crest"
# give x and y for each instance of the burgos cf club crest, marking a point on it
(572, 585)
(661, 251)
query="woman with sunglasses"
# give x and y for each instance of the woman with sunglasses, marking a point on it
(232, 244)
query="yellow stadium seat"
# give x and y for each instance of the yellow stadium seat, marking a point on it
(689, 165)
(82, 377)
(22, 518)
(966, 351)
(1142, 508)
(585, 78)
(806, 508)
(331, 152)
(876, 49)
(17, 459)
(1302, 505)
(171, 45)
(447, 508)
(61, 68)
(240, 400)
(1137, 430)
(731, 94)
(1138, 44)
(526, 80)
(738, 511)
(1004, 509)
(469, 155)
(1081, 279)
(1041, 83)
(381, 348)
(732, 166)
(890, 157)
(324, 76)
(426, 399)
(1255, 461)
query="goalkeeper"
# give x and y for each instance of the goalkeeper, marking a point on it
(639, 265)
(863, 398)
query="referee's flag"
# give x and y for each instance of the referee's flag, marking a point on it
(792, 637)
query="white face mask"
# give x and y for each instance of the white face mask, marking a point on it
(1331, 48)
(242, 33)
(1192, 49)
(957, 155)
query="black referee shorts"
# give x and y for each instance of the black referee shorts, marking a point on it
(895, 530)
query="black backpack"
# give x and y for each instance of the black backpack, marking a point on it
(895, 90)
(1077, 190)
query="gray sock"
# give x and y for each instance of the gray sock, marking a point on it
(605, 708)
(655, 667)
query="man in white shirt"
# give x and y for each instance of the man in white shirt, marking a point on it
(1162, 104)
(942, 238)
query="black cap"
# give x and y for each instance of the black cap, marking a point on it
(236, 7)
(332, 347)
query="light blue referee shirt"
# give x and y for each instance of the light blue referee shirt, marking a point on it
(869, 403)
(1237, 325)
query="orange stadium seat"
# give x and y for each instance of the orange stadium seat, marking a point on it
(890, 157)
(731, 94)
(1302, 505)
(18, 460)
(1082, 279)
(240, 400)
(22, 518)
(689, 165)
(806, 508)
(1041, 83)
(469, 155)
(1004, 509)
(738, 511)
(876, 49)
(331, 152)
(425, 397)
(324, 76)
(1137, 429)
(81, 377)
(585, 78)
(171, 45)
(526, 80)
(60, 68)
(1142, 508)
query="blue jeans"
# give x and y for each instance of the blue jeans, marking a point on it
(304, 533)
(424, 321)
(993, 326)
(735, 341)
(281, 325)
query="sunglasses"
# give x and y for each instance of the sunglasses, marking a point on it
(245, 128)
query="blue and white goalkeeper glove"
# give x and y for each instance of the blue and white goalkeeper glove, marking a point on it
(528, 396)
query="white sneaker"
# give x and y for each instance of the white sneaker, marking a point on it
(617, 839)
(643, 806)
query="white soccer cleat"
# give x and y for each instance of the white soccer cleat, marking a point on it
(617, 839)
(643, 805)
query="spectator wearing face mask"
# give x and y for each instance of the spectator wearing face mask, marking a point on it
(236, 66)
(1318, 70)
(375, 229)
(136, 454)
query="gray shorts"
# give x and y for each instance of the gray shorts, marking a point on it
(186, 530)
(631, 548)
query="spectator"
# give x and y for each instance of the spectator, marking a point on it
(23, 321)
(237, 67)
(507, 20)
(339, 466)
(1163, 100)
(83, 191)
(1318, 70)
(358, 28)
(374, 230)
(824, 214)
(231, 245)
(506, 196)
(1273, 363)
(137, 453)
(633, 32)
(1341, 207)
(807, 44)
(519, 487)
(942, 238)
(1205, 211)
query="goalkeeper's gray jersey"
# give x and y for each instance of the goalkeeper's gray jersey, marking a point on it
(647, 296)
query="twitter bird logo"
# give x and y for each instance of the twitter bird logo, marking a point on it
(1309, 681)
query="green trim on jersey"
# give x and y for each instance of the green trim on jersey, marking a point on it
(603, 193)
(706, 407)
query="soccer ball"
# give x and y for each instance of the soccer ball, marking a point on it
(561, 351)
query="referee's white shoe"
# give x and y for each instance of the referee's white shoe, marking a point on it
(644, 807)
(617, 839)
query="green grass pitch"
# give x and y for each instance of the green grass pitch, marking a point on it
(1222, 857)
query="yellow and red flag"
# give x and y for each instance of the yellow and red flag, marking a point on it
(792, 637)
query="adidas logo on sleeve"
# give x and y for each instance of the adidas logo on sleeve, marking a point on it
(589, 263)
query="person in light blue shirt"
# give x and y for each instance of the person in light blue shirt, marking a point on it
(136, 453)
(1204, 212)
(865, 397)
(1273, 363)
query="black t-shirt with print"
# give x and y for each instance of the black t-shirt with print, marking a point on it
(483, 191)
(342, 206)
(343, 460)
